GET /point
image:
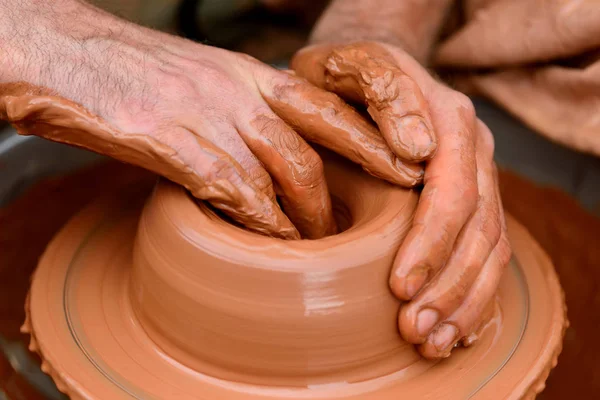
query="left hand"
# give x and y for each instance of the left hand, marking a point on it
(450, 263)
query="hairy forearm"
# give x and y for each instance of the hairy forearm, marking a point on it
(34, 36)
(410, 24)
(72, 48)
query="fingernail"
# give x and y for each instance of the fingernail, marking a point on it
(426, 320)
(411, 174)
(469, 340)
(444, 337)
(415, 281)
(418, 137)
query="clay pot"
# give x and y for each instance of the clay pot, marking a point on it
(243, 307)
(168, 300)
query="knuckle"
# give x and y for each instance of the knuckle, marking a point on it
(305, 169)
(267, 126)
(309, 171)
(260, 177)
(486, 139)
(283, 88)
(446, 235)
(503, 250)
(491, 230)
(464, 103)
(462, 194)
(243, 57)
(220, 168)
(469, 195)
(175, 81)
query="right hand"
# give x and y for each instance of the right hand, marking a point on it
(449, 264)
(227, 127)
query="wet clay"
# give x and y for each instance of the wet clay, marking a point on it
(213, 311)
(284, 295)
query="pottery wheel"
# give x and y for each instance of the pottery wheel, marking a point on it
(109, 324)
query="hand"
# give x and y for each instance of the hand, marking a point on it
(450, 263)
(543, 61)
(230, 129)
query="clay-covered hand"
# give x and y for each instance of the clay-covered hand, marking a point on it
(229, 128)
(541, 60)
(449, 265)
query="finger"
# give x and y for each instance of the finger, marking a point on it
(226, 138)
(297, 170)
(492, 38)
(323, 118)
(219, 179)
(467, 318)
(394, 101)
(448, 199)
(446, 291)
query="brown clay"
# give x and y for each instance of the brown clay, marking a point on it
(566, 232)
(369, 75)
(193, 307)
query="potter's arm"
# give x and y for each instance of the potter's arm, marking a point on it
(222, 124)
(412, 25)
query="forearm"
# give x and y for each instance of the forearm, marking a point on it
(410, 24)
(33, 37)
(73, 49)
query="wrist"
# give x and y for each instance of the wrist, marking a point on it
(412, 25)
